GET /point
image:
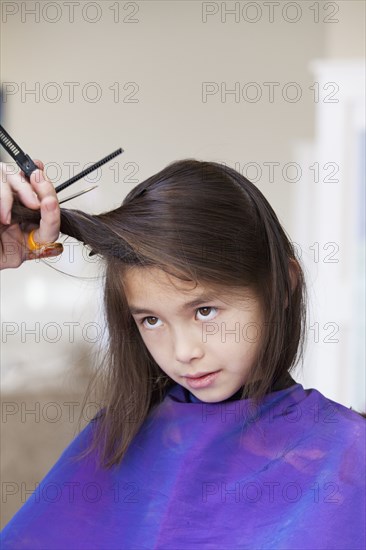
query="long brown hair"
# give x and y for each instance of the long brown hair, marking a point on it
(202, 222)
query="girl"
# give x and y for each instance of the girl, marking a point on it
(204, 441)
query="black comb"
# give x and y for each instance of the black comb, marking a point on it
(26, 164)
(87, 171)
(24, 161)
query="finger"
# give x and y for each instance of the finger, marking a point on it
(5, 203)
(49, 227)
(14, 183)
(42, 185)
(39, 163)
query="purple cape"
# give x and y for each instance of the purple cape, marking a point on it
(289, 474)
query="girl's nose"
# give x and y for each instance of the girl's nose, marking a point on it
(188, 346)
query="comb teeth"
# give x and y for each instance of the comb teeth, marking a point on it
(106, 159)
(8, 143)
(88, 170)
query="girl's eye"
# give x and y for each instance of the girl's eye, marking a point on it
(148, 325)
(154, 324)
(205, 308)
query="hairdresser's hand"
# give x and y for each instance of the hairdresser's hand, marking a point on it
(39, 194)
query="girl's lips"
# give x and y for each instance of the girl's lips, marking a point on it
(202, 381)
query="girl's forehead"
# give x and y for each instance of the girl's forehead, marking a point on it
(144, 281)
(154, 276)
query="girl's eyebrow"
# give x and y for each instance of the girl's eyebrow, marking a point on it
(202, 298)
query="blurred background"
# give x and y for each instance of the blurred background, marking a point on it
(273, 89)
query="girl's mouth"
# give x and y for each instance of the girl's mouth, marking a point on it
(202, 381)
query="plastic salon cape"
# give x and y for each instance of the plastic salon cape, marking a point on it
(288, 474)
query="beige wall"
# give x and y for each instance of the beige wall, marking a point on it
(165, 56)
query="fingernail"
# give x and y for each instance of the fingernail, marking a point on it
(53, 250)
(8, 218)
(37, 174)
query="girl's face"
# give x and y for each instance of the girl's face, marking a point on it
(191, 333)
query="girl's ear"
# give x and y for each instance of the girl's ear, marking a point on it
(293, 271)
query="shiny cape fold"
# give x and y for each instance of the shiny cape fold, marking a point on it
(288, 474)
